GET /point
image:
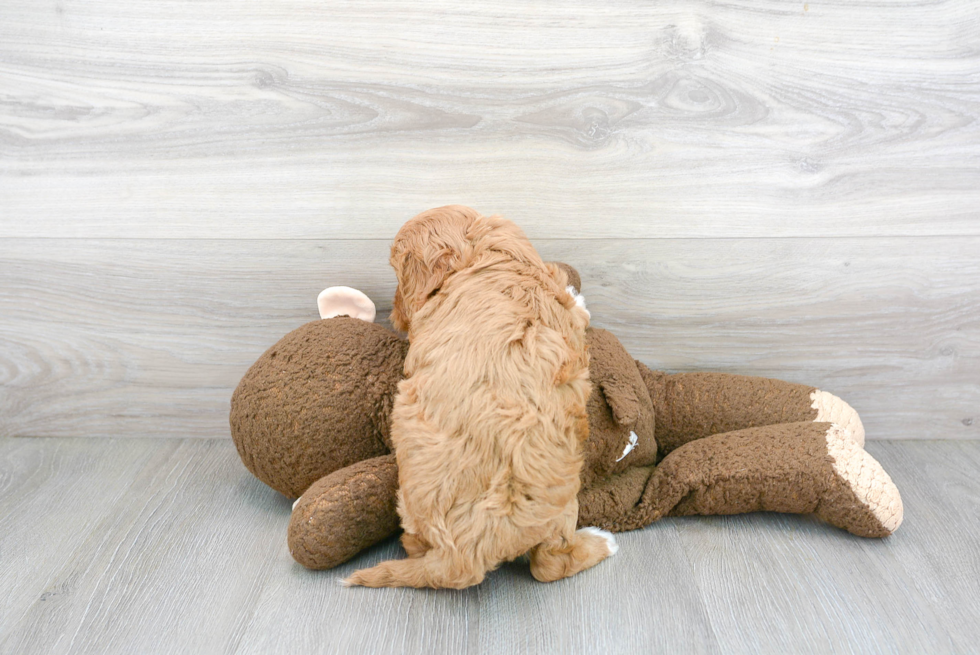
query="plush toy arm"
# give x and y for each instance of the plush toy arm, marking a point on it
(692, 406)
(796, 468)
(345, 512)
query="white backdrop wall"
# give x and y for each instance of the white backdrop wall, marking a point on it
(766, 187)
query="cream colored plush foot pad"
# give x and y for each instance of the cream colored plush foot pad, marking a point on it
(868, 480)
(831, 409)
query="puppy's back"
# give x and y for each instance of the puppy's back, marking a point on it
(488, 423)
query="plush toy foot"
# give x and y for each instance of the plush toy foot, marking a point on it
(831, 409)
(863, 500)
(798, 468)
(340, 301)
(345, 512)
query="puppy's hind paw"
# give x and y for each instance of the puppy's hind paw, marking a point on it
(607, 536)
(565, 557)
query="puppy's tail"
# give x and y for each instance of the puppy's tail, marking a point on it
(430, 570)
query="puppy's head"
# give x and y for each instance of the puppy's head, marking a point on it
(427, 250)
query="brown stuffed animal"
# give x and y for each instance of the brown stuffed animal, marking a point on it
(311, 419)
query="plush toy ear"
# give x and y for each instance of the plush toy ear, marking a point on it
(340, 301)
(622, 400)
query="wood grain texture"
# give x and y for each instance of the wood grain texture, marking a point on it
(149, 337)
(618, 119)
(183, 551)
(52, 498)
(173, 565)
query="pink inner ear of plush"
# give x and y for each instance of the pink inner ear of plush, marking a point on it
(341, 301)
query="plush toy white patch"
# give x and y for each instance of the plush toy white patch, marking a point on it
(630, 446)
(579, 299)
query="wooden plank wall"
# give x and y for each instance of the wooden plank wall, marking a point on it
(773, 188)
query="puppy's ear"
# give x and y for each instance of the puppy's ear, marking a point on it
(415, 285)
(426, 251)
(425, 275)
(574, 280)
(398, 317)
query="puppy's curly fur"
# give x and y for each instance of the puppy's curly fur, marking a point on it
(488, 423)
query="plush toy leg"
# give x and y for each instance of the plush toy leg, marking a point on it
(798, 468)
(691, 406)
(345, 512)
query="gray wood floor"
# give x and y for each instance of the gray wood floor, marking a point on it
(169, 546)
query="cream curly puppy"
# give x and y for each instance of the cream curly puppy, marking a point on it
(488, 423)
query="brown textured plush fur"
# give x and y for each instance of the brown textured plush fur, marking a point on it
(488, 424)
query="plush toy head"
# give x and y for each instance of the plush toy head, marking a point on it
(317, 401)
